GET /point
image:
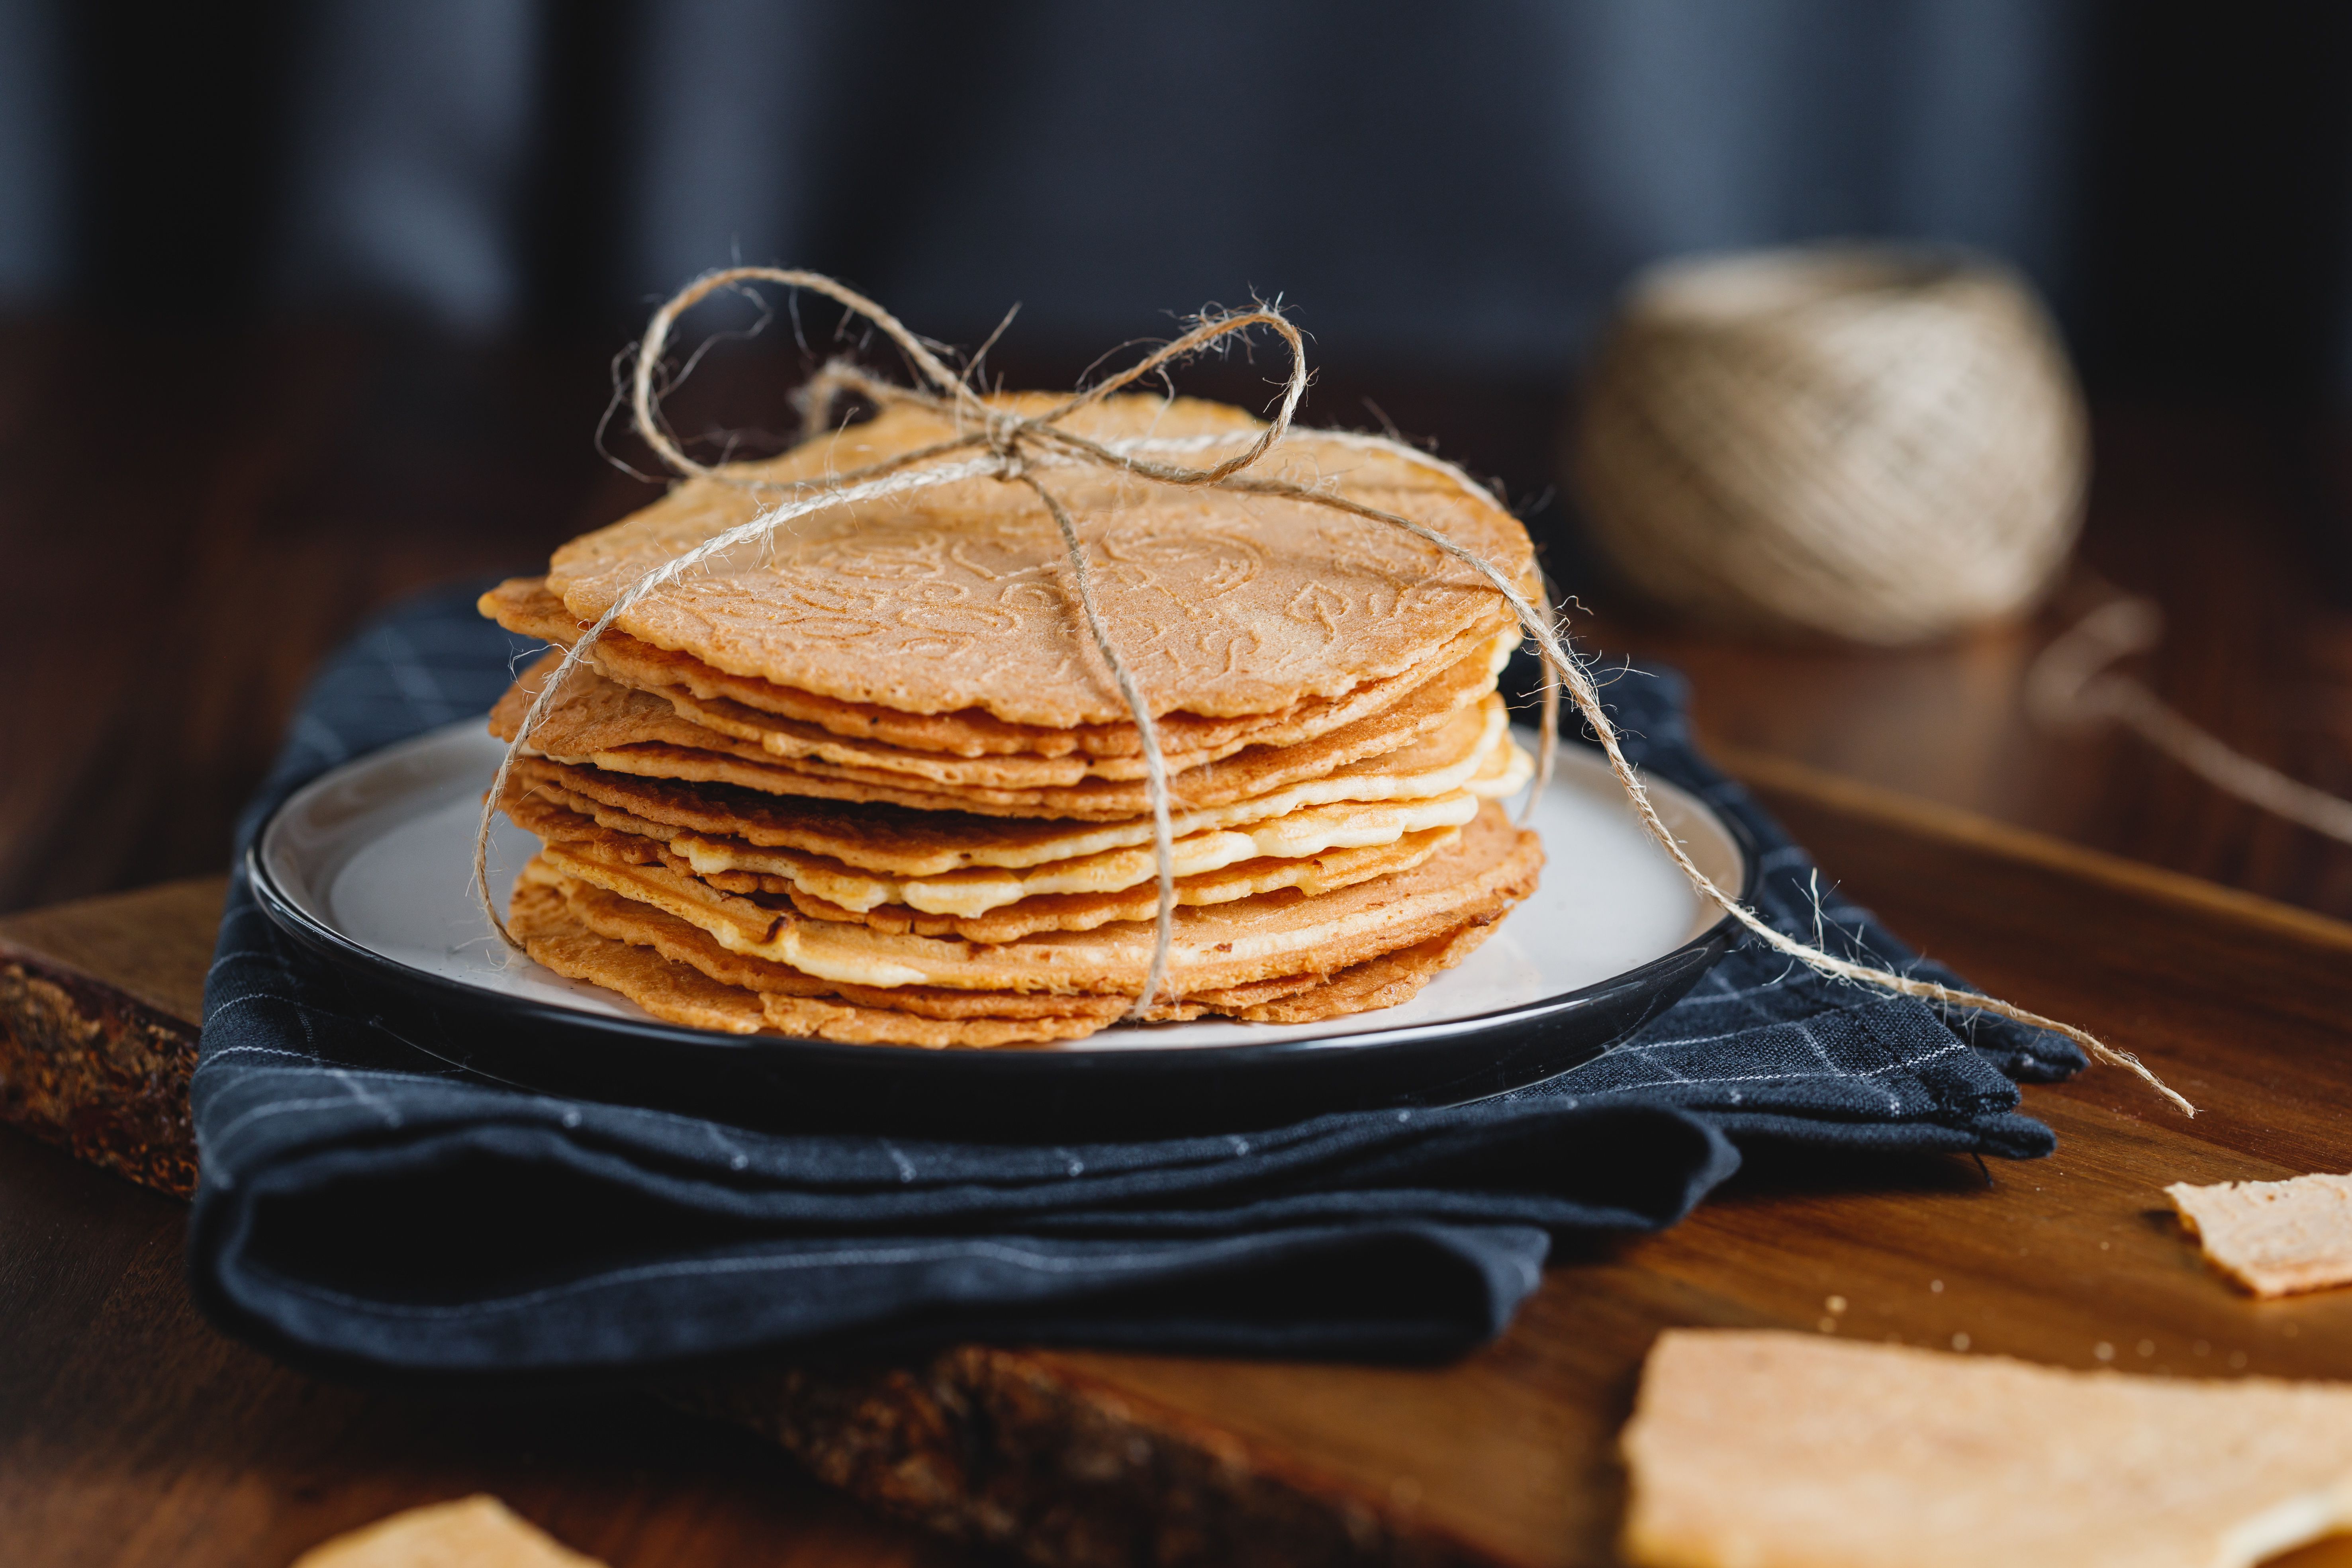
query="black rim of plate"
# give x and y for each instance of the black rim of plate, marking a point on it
(1012, 1063)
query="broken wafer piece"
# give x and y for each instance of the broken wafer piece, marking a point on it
(479, 1531)
(2276, 1239)
(1772, 1451)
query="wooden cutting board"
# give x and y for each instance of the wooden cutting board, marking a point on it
(1504, 1456)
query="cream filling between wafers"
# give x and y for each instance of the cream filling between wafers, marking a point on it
(975, 892)
(1310, 830)
(848, 953)
(1220, 944)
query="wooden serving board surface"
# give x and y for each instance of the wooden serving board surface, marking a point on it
(130, 1434)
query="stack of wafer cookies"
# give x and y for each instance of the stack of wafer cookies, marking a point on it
(872, 781)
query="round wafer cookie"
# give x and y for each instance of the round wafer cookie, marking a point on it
(791, 741)
(1471, 752)
(624, 919)
(598, 712)
(681, 994)
(1318, 830)
(714, 696)
(953, 598)
(752, 903)
(616, 728)
(676, 972)
(1489, 867)
(593, 714)
(737, 866)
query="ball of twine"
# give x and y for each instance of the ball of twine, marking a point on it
(1880, 445)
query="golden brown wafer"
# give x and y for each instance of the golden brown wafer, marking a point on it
(1385, 981)
(868, 778)
(681, 994)
(953, 598)
(624, 919)
(523, 605)
(1341, 844)
(1781, 1450)
(1380, 982)
(601, 723)
(1489, 867)
(539, 920)
(792, 740)
(1313, 876)
(974, 892)
(905, 842)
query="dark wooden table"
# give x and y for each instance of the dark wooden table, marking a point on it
(186, 539)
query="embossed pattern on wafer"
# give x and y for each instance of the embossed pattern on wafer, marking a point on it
(953, 599)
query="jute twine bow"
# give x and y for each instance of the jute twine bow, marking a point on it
(1012, 449)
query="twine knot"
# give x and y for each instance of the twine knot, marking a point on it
(1005, 437)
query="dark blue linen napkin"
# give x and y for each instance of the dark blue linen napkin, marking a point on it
(371, 1205)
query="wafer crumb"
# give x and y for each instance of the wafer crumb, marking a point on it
(2273, 1238)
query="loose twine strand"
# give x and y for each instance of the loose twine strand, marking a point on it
(1014, 445)
(2071, 686)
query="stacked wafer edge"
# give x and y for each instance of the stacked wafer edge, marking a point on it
(869, 781)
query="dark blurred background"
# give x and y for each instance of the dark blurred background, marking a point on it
(1458, 187)
(309, 304)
